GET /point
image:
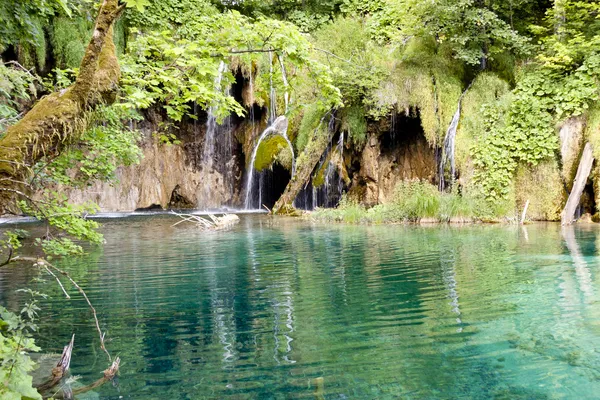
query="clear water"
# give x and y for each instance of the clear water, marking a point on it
(282, 309)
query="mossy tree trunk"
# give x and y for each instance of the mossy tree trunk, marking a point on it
(305, 165)
(57, 120)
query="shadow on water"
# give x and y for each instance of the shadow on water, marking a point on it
(281, 308)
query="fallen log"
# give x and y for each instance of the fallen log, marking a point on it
(109, 374)
(213, 222)
(583, 172)
(61, 368)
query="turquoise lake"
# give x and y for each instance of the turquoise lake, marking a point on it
(286, 309)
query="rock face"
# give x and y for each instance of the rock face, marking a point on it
(385, 161)
(164, 177)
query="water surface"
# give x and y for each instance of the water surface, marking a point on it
(276, 307)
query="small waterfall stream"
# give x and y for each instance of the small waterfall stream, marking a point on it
(278, 127)
(449, 146)
(208, 153)
(330, 192)
(217, 152)
(272, 94)
(286, 95)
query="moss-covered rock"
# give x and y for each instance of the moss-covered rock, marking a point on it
(541, 185)
(273, 149)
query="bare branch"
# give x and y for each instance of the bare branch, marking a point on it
(43, 263)
(340, 58)
(59, 282)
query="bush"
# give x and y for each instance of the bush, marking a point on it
(413, 201)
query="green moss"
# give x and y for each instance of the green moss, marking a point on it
(592, 130)
(354, 123)
(69, 38)
(427, 79)
(310, 121)
(319, 176)
(271, 149)
(487, 88)
(46, 127)
(541, 185)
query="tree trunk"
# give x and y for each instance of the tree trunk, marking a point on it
(583, 173)
(305, 165)
(58, 120)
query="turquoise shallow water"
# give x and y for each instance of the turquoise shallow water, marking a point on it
(283, 309)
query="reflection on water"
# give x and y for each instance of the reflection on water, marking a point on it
(286, 309)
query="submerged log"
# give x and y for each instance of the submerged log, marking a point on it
(61, 368)
(57, 120)
(583, 173)
(108, 375)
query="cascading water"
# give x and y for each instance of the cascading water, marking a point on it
(278, 127)
(448, 149)
(272, 94)
(217, 154)
(330, 192)
(286, 95)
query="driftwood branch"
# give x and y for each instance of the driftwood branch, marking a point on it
(58, 281)
(61, 368)
(213, 222)
(108, 375)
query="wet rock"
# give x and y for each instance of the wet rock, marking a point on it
(179, 201)
(585, 219)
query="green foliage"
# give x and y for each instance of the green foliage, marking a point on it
(109, 142)
(23, 20)
(353, 59)
(68, 218)
(160, 69)
(169, 13)
(354, 122)
(347, 211)
(523, 130)
(176, 69)
(69, 38)
(15, 345)
(487, 88)
(312, 119)
(17, 88)
(472, 29)
(307, 15)
(413, 201)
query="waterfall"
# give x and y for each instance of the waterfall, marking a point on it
(278, 127)
(449, 146)
(217, 153)
(211, 124)
(286, 95)
(330, 192)
(340, 183)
